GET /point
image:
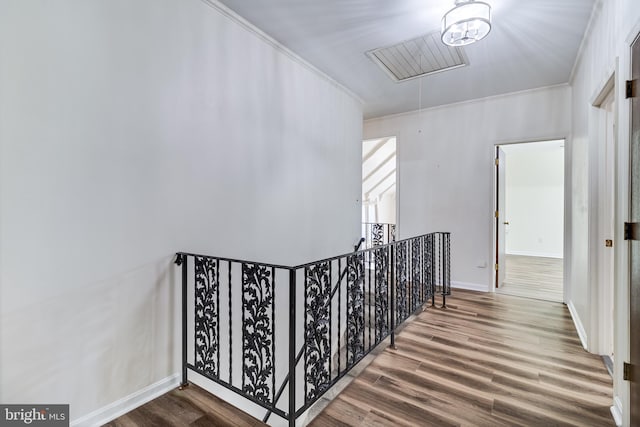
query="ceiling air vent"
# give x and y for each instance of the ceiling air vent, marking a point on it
(418, 57)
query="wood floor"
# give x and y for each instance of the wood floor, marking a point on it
(533, 277)
(488, 360)
(192, 407)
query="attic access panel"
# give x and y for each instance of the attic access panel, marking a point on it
(418, 57)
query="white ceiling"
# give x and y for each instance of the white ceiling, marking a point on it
(532, 44)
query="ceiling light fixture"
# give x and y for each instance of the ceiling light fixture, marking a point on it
(466, 23)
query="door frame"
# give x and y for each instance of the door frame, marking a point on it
(566, 209)
(602, 298)
(500, 218)
(625, 389)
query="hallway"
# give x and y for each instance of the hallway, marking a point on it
(488, 360)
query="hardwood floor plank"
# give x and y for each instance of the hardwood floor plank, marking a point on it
(441, 403)
(394, 407)
(533, 277)
(524, 415)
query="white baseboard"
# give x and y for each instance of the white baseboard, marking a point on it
(128, 403)
(616, 411)
(536, 254)
(469, 286)
(578, 324)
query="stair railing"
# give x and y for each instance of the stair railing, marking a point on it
(236, 334)
(378, 233)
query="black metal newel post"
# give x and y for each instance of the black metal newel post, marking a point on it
(183, 260)
(444, 271)
(434, 269)
(392, 322)
(292, 348)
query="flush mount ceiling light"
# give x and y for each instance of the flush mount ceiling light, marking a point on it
(466, 23)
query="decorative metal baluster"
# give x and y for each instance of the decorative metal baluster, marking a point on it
(330, 321)
(316, 329)
(438, 254)
(415, 274)
(355, 308)
(258, 331)
(382, 293)
(339, 310)
(369, 297)
(230, 327)
(448, 261)
(183, 259)
(423, 268)
(377, 234)
(375, 299)
(402, 308)
(306, 327)
(392, 299)
(430, 269)
(206, 325)
(446, 280)
(218, 314)
(273, 333)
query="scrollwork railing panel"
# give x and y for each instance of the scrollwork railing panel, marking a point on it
(416, 276)
(377, 234)
(428, 265)
(402, 303)
(207, 321)
(355, 307)
(317, 330)
(381, 257)
(258, 331)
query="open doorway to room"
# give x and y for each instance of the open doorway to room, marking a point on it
(379, 205)
(530, 219)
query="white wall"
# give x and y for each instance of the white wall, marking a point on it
(534, 198)
(387, 208)
(132, 130)
(614, 25)
(446, 172)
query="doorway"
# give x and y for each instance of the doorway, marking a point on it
(379, 191)
(529, 215)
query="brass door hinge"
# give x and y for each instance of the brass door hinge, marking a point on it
(497, 162)
(631, 89)
(631, 231)
(496, 214)
(497, 268)
(627, 371)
